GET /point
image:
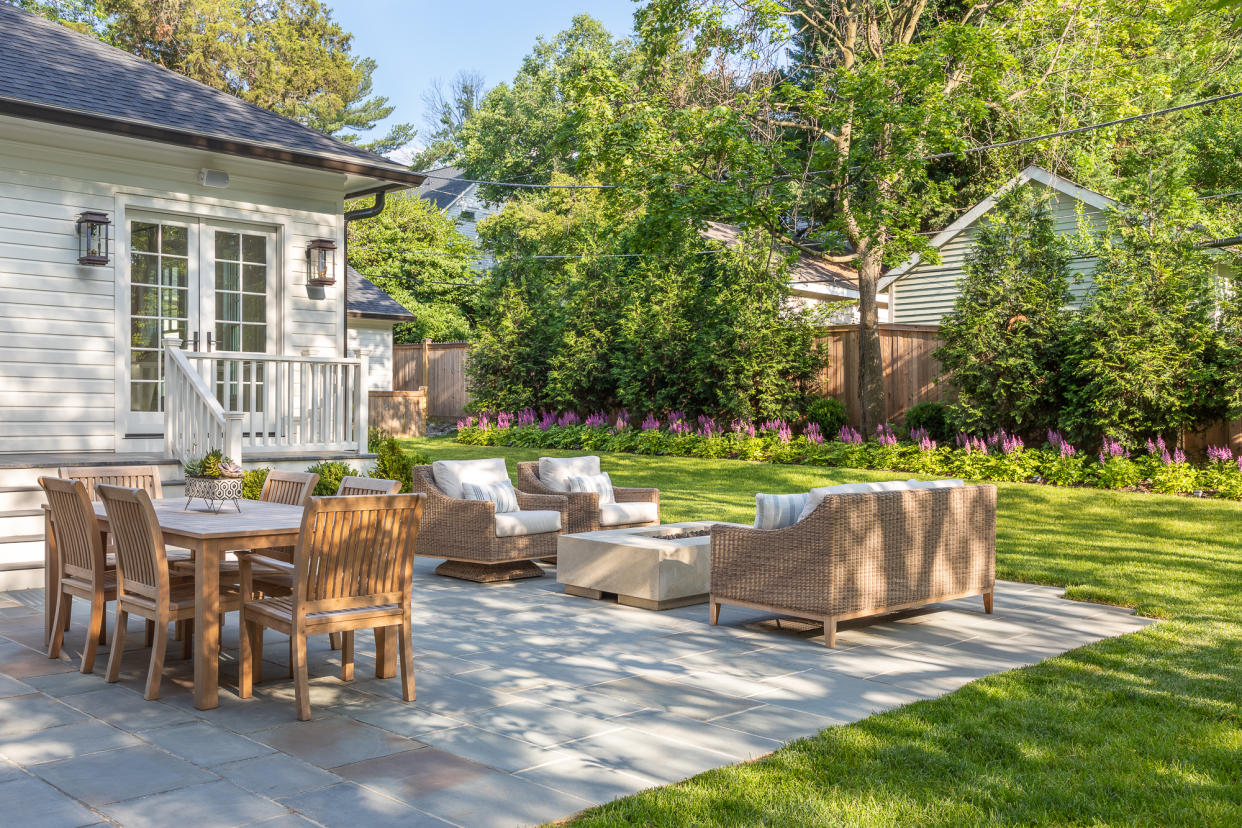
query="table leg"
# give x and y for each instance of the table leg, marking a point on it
(51, 577)
(207, 626)
(385, 652)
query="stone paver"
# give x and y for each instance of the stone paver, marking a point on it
(532, 705)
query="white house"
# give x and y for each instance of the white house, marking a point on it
(923, 292)
(371, 315)
(458, 198)
(168, 282)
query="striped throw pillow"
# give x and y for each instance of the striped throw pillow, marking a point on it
(600, 484)
(500, 493)
(776, 511)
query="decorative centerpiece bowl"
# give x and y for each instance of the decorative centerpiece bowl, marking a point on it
(214, 479)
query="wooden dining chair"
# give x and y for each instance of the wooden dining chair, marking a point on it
(353, 486)
(146, 478)
(144, 586)
(290, 488)
(83, 569)
(352, 569)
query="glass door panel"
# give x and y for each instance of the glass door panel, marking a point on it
(161, 294)
(241, 323)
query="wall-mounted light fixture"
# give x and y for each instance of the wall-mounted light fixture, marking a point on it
(321, 262)
(94, 238)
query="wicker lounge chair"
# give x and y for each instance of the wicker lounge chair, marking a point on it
(861, 554)
(477, 543)
(632, 507)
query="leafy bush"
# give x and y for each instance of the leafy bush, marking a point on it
(1117, 473)
(331, 473)
(252, 483)
(930, 416)
(1175, 478)
(395, 463)
(828, 413)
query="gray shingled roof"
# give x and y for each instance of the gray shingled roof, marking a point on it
(46, 68)
(444, 186)
(368, 301)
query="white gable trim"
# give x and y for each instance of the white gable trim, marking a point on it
(1031, 173)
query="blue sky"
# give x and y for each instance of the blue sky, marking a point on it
(415, 42)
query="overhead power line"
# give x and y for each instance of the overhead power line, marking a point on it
(521, 186)
(447, 255)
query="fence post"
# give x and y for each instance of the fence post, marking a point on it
(233, 421)
(364, 400)
(426, 380)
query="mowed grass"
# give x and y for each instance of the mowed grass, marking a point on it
(1144, 729)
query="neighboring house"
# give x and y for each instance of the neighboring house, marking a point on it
(215, 314)
(372, 313)
(922, 292)
(459, 199)
(813, 281)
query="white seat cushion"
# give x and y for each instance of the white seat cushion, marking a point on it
(817, 495)
(555, 472)
(776, 511)
(616, 514)
(936, 484)
(450, 474)
(529, 522)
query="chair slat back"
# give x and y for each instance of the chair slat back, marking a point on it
(352, 486)
(146, 478)
(289, 488)
(141, 559)
(79, 544)
(356, 551)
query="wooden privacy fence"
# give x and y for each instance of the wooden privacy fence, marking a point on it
(441, 367)
(910, 370)
(399, 413)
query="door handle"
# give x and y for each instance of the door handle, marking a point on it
(209, 342)
(194, 341)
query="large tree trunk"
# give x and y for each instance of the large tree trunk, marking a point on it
(870, 359)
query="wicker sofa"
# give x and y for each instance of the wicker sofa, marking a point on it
(633, 507)
(861, 554)
(476, 543)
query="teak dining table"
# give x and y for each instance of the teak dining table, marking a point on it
(258, 525)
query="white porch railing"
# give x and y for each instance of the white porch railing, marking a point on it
(248, 403)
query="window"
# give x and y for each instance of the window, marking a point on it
(158, 304)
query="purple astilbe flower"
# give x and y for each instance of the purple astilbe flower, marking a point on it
(1112, 448)
(1219, 454)
(484, 422)
(923, 438)
(740, 427)
(884, 435)
(650, 423)
(849, 435)
(707, 426)
(465, 422)
(784, 433)
(504, 419)
(527, 417)
(674, 417)
(774, 425)
(1157, 448)
(623, 420)
(813, 434)
(547, 420)
(971, 444)
(569, 418)
(597, 420)
(680, 426)
(1012, 443)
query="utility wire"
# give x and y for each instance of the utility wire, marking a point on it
(520, 186)
(444, 254)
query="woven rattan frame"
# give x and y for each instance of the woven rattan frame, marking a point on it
(465, 530)
(584, 506)
(862, 554)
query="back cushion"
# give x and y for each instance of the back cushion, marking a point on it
(936, 484)
(556, 472)
(600, 484)
(450, 474)
(776, 511)
(502, 494)
(816, 496)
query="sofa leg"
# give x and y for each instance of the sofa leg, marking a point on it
(830, 632)
(713, 612)
(987, 602)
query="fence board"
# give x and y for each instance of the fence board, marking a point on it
(441, 367)
(910, 370)
(399, 413)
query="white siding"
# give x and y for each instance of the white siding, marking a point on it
(927, 291)
(60, 353)
(373, 337)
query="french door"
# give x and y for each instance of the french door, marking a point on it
(209, 284)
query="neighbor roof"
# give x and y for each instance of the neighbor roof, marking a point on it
(51, 73)
(368, 301)
(809, 276)
(444, 186)
(1031, 173)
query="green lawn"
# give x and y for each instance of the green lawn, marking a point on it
(1145, 729)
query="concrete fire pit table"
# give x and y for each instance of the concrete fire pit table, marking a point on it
(649, 567)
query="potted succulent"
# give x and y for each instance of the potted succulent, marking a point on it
(214, 479)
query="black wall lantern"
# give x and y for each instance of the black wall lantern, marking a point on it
(94, 238)
(321, 262)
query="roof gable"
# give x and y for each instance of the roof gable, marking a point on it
(1032, 173)
(809, 275)
(368, 301)
(445, 186)
(50, 72)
